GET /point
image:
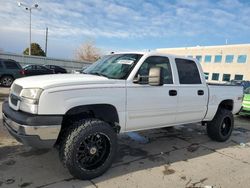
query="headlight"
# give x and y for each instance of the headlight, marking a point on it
(32, 95)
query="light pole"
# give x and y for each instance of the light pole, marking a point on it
(29, 8)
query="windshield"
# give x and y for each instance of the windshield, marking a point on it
(117, 66)
(247, 90)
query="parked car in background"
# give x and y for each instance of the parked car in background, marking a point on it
(245, 110)
(56, 69)
(32, 70)
(9, 71)
(244, 83)
(246, 102)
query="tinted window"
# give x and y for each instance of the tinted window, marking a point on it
(217, 58)
(156, 61)
(11, 65)
(238, 77)
(29, 67)
(242, 59)
(187, 71)
(226, 77)
(215, 76)
(208, 58)
(1, 66)
(40, 68)
(229, 58)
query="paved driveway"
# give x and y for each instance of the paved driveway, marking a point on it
(180, 157)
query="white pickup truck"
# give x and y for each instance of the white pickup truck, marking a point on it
(82, 114)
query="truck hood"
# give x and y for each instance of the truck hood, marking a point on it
(57, 80)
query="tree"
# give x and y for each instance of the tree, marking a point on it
(88, 52)
(36, 50)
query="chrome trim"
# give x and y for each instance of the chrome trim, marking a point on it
(45, 132)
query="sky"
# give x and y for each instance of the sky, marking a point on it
(124, 25)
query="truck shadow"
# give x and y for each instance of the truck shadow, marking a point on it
(165, 147)
(140, 151)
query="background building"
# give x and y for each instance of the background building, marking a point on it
(219, 63)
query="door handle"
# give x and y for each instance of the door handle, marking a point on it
(172, 92)
(200, 92)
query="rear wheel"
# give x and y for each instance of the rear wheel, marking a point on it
(89, 148)
(6, 81)
(221, 127)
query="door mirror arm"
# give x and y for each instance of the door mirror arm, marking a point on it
(137, 79)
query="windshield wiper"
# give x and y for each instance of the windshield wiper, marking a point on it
(98, 74)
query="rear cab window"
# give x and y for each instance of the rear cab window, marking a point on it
(188, 71)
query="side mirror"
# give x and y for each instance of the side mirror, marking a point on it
(155, 76)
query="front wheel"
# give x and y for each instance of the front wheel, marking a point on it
(89, 148)
(221, 127)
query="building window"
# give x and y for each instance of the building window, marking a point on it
(238, 77)
(199, 58)
(206, 75)
(226, 77)
(208, 58)
(229, 58)
(215, 76)
(217, 58)
(242, 59)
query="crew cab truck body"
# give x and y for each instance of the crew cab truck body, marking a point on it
(83, 113)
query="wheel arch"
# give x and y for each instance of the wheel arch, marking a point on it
(104, 112)
(226, 104)
(3, 75)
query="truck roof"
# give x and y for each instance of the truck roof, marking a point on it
(155, 53)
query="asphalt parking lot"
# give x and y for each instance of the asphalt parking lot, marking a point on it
(180, 157)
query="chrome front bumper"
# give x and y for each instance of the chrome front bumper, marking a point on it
(43, 132)
(38, 131)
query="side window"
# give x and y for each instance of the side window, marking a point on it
(11, 65)
(156, 61)
(187, 71)
(38, 67)
(28, 67)
(1, 65)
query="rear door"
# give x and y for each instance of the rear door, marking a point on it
(192, 92)
(151, 106)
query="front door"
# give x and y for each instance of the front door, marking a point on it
(151, 106)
